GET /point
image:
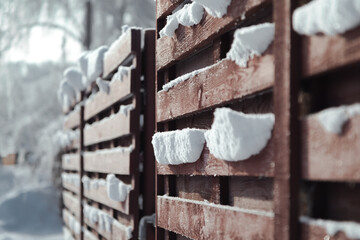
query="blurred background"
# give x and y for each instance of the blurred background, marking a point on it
(39, 39)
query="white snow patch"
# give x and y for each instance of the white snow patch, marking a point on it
(103, 85)
(250, 41)
(113, 46)
(351, 229)
(216, 8)
(128, 149)
(128, 229)
(65, 137)
(121, 73)
(330, 17)
(333, 119)
(235, 136)
(92, 184)
(67, 234)
(74, 225)
(66, 94)
(116, 189)
(179, 146)
(91, 64)
(73, 76)
(125, 109)
(71, 178)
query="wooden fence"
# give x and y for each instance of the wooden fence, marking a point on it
(303, 170)
(115, 140)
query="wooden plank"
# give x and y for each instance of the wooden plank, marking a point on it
(171, 49)
(207, 165)
(66, 215)
(313, 232)
(72, 120)
(100, 195)
(115, 126)
(101, 100)
(323, 53)
(223, 82)
(111, 162)
(286, 132)
(71, 161)
(165, 7)
(72, 203)
(201, 220)
(71, 188)
(328, 156)
(119, 52)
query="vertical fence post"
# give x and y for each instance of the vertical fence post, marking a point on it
(286, 130)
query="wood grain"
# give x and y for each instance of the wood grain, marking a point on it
(115, 162)
(115, 126)
(71, 161)
(165, 7)
(222, 83)
(328, 156)
(199, 220)
(323, 53)
(187, 39)
(72, 203)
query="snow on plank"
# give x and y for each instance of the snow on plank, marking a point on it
(71, 187)
(261, 164)
(323, 53)
(72, 203)
(118, 53)
(200, 220)
(100, 195)
(165, 7)
(115, 126)
(71, 223)
(119, 89)
(223, 82)
(170, 49)
(329, 156)
(72, 120)
(71, 161)
(116, 162)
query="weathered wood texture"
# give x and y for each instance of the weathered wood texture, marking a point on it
(330, 157)
(71, 161)
(112, 162)
(72, 203)
(165, 7)
(72, 120)
(312, 232)
(171, 49)
(199, 220)
(223, 82)
(323, 53)
(71, 188)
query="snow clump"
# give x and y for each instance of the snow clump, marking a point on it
(216, 8)
(116, 189)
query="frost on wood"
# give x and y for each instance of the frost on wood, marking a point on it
(128, 149)
(103, 85)
(116, 189)
(178, 147)
(327, 16)
(333, 119)
(250, 41)
(235, 136)
(216, 8)
(351, 229)
(191, 14)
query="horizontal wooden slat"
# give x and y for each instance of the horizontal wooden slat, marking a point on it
(323, 53)
(120, 51)
(115, 126)
(66, 215)
(165, 7)
(171, 49)
(72, 203)
(223, 82)
(101, 100)
(72, 120)
(258, 165)
(71, 187)
(71, 161)
(312, 232)
(112, 162)
(328, 156)
(200, 220)
(100, 195)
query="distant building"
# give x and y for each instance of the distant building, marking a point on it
(10, 159)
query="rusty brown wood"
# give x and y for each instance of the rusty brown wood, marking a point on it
(328, 156)
(223, 82)
(101, 100)
(312, 232)
(71, 161)
(112, 162)
(323, 53)
(286, 130)
(117, 231)
(72, 203)
(200, 220)
(119, 52)
(258, 165)
(171, 49)
(107, 129)
(165, 7)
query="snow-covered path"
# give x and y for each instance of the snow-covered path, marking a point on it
(28, 207)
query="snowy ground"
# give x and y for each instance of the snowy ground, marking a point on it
(28, 206)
